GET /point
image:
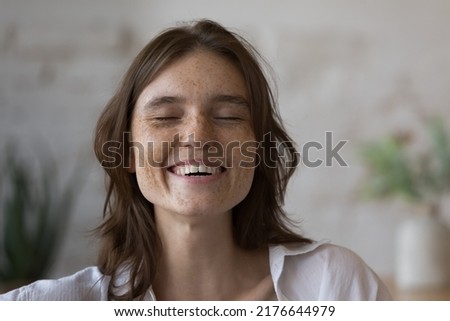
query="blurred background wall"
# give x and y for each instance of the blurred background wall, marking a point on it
(359, 69)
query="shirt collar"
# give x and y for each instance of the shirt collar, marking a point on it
(277, 254)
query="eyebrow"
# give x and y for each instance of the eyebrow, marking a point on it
(234, 99)
(165, 100)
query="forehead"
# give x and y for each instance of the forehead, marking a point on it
(200, 73)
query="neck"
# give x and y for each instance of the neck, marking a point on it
(201, 261)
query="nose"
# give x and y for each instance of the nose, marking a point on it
(198, 131)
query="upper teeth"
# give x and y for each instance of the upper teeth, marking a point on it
(188, 169)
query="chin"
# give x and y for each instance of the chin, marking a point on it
(202, 212)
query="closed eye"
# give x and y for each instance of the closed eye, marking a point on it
(164, 121)
(229, 120)
(166, 118)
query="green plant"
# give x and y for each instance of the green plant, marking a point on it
(395, 172)
(34, 214)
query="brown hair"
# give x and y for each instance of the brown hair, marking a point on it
(129, 236)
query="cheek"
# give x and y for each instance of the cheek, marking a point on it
(151, 181)
(242, 152)
(243, 184)
(247, 155)
(148, 147)
(149, 156)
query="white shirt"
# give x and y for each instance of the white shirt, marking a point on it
(317, 271)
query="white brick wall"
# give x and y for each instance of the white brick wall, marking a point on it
(357, 68)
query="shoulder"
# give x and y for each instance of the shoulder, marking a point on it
(323, 271)
(88, 284)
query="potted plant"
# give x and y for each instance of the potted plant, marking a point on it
(423, 180)
(34, 213)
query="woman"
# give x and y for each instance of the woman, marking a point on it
(198, 162)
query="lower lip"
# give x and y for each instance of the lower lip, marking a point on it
(207, 179)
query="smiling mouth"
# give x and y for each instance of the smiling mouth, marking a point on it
(201, 170)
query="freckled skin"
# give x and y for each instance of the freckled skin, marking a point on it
(196, 79)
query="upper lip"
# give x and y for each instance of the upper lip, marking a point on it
(196, 162)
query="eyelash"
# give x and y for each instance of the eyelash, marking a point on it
(217, 118)
(166, 118)
(228, 118)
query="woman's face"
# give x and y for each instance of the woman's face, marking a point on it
(187, 129)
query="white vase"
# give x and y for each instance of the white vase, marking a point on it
(423, 254)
